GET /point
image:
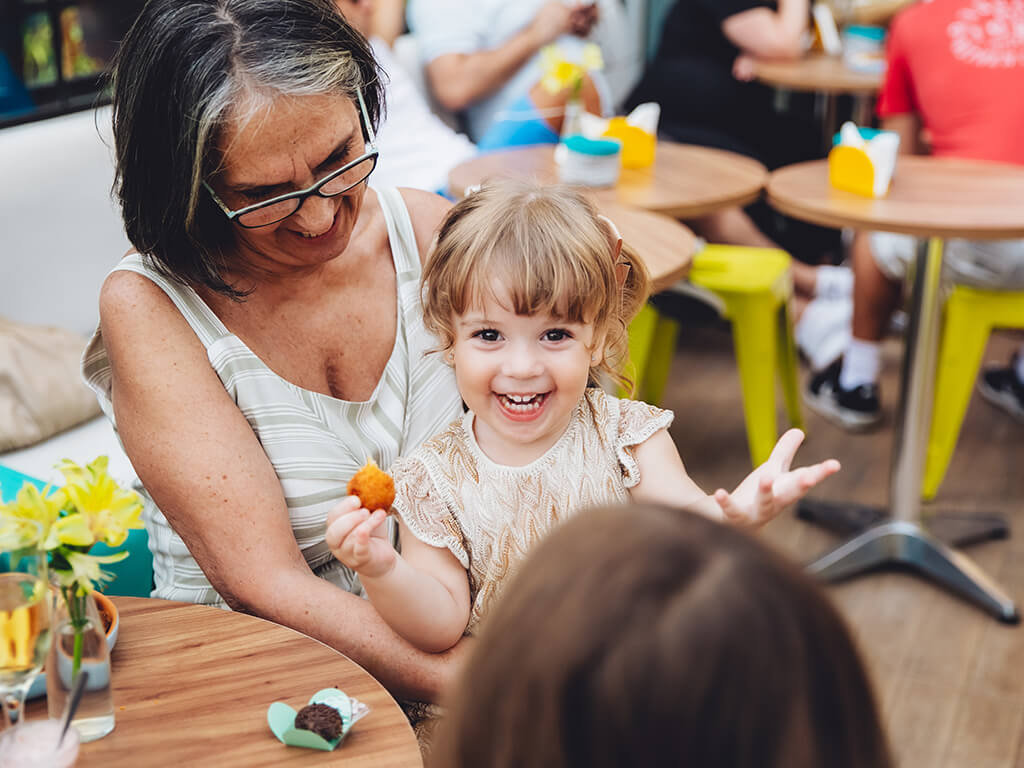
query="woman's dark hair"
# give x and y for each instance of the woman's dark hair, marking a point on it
(654, 637)
(184, 68)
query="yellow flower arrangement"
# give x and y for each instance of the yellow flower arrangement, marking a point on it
(560, 74)
(91, 507)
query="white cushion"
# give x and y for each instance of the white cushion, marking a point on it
(81, 444)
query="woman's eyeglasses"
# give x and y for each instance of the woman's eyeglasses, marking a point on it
(333, 184)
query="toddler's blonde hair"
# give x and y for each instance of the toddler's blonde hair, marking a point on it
(549, 249)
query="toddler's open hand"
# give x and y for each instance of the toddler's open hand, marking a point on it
(357, 537)
(771, 487)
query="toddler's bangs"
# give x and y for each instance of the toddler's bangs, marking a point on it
(536, 267)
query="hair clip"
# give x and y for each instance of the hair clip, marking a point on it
(621, 266)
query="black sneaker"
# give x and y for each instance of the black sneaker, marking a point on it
(1002, 388)
(854, 409)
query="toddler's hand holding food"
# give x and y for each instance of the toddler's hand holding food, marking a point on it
(358, 538)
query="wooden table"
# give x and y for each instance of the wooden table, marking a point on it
(828, 77)
(817, 73)
(665, 245)
(929, 198)
(685, 182)
(192, 685)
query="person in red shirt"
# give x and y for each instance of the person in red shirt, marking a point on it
(952, 88)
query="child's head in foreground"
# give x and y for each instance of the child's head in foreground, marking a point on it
(535, 251)
(655, 637)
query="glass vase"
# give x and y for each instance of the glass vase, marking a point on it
(572, 121)
(80, 644)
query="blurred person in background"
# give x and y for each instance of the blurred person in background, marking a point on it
(955, 75)
(702, 76)
(482, 61)
(417, 149)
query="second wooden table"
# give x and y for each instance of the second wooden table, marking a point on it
(685, 181)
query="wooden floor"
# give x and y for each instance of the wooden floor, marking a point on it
(950, 679)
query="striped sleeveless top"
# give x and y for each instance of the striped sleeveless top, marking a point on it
(315, 442)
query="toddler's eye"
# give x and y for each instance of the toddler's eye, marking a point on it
(556, 334)
(487, 334)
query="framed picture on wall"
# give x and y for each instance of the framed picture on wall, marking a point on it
(55, 54)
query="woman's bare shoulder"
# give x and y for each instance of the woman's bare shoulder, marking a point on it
(135, 310)
(426, 210)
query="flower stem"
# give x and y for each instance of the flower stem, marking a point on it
(76, 612)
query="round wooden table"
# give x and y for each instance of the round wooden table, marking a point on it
(928, 198)
(828, 77)
(192, 685)
(817, 73)
(665, 245)
(685, 181)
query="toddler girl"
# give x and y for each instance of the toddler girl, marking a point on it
(530, 292)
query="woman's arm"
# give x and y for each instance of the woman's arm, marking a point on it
(460, 79)
(199, 459)
(422, 593)
(767, 34)
(388, 20)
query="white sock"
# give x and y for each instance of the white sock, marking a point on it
(862, 362)
(1019, 365)
(833, 282)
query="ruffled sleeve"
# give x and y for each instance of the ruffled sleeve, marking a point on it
(423, 509)
(636, 423)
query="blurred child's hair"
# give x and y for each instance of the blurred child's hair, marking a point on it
(549, 249)
(655, 637)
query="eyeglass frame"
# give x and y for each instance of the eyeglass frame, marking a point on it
(304, 194)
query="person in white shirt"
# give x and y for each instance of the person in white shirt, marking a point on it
(482, 59)
(417, 149)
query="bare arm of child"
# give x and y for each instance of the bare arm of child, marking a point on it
(423, 593)
(757, 499)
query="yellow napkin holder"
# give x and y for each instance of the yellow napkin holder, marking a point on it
(638, 145)
(863, 162)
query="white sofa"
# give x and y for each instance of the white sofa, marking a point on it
(61, 234)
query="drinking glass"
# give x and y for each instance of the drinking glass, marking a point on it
(25, 610)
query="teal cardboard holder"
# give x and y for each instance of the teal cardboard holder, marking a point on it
(281, 719)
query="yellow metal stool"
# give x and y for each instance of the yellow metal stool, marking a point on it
(970, 316)
(753, 286)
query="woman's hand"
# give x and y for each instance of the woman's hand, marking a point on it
(744, 68)
(772, 486)
(584, 17)
(357, 537)
(553, 20)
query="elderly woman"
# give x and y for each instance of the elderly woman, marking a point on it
(266, 338)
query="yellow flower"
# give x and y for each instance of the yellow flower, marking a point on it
(592, 58)
(85, 571)
(30, 504)
(559, 73)
(108, 511)
(91, 507)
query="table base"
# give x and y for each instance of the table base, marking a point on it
(882, 542)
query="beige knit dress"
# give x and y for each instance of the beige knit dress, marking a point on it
(490, 516)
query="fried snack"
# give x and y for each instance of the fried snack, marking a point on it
(321, 719)
(374, 487)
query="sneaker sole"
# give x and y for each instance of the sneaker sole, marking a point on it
(853, 422)
(1002, 400)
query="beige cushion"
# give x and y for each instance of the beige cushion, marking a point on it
(41, 387)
